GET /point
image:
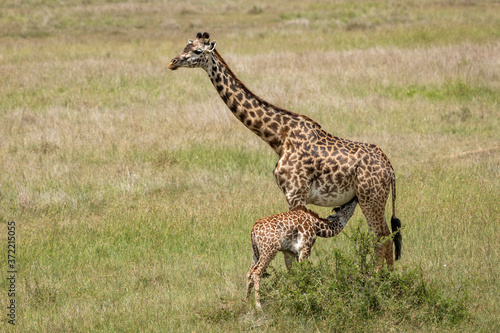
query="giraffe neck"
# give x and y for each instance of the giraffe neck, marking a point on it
(269, 122)
(325, 228)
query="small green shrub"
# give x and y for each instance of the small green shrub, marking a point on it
(347, 289)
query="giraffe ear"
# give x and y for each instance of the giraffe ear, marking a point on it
(212, 46)
(190, 41)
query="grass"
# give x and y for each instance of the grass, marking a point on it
(134, 189)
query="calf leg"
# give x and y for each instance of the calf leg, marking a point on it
(255, 273)
(305, 253)
(290, 258)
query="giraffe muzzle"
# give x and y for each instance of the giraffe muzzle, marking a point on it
(174, 64)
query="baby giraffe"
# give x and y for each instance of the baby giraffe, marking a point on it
(292, 233)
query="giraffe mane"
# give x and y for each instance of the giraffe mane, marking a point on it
(264, 102)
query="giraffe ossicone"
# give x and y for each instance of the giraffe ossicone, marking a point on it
(314, 167)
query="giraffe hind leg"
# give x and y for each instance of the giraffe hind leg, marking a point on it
(250, 283)
(255, 273)
(290, 258)
(375, 218)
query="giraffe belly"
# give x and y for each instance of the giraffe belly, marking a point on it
(319, 198)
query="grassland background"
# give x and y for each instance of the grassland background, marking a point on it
(134, 189)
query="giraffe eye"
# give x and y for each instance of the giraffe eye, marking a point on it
(199, 51)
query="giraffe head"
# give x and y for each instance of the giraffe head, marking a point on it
(196, 53)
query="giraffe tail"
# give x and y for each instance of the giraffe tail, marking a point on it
(255, 249)
(395, 222)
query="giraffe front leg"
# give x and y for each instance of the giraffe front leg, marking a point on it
(290, 258)
(294, 186)
(308, 240)
(296, 196)
(305, 253)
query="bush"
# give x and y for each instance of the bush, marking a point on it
(345, 290)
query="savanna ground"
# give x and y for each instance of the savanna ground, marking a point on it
(134, 189)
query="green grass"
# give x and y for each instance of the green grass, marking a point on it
(134, 189)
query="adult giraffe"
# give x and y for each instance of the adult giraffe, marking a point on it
(314, 167)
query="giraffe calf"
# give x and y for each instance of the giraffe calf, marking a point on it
(293, 233)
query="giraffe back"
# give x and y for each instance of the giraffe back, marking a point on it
(288, 232)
